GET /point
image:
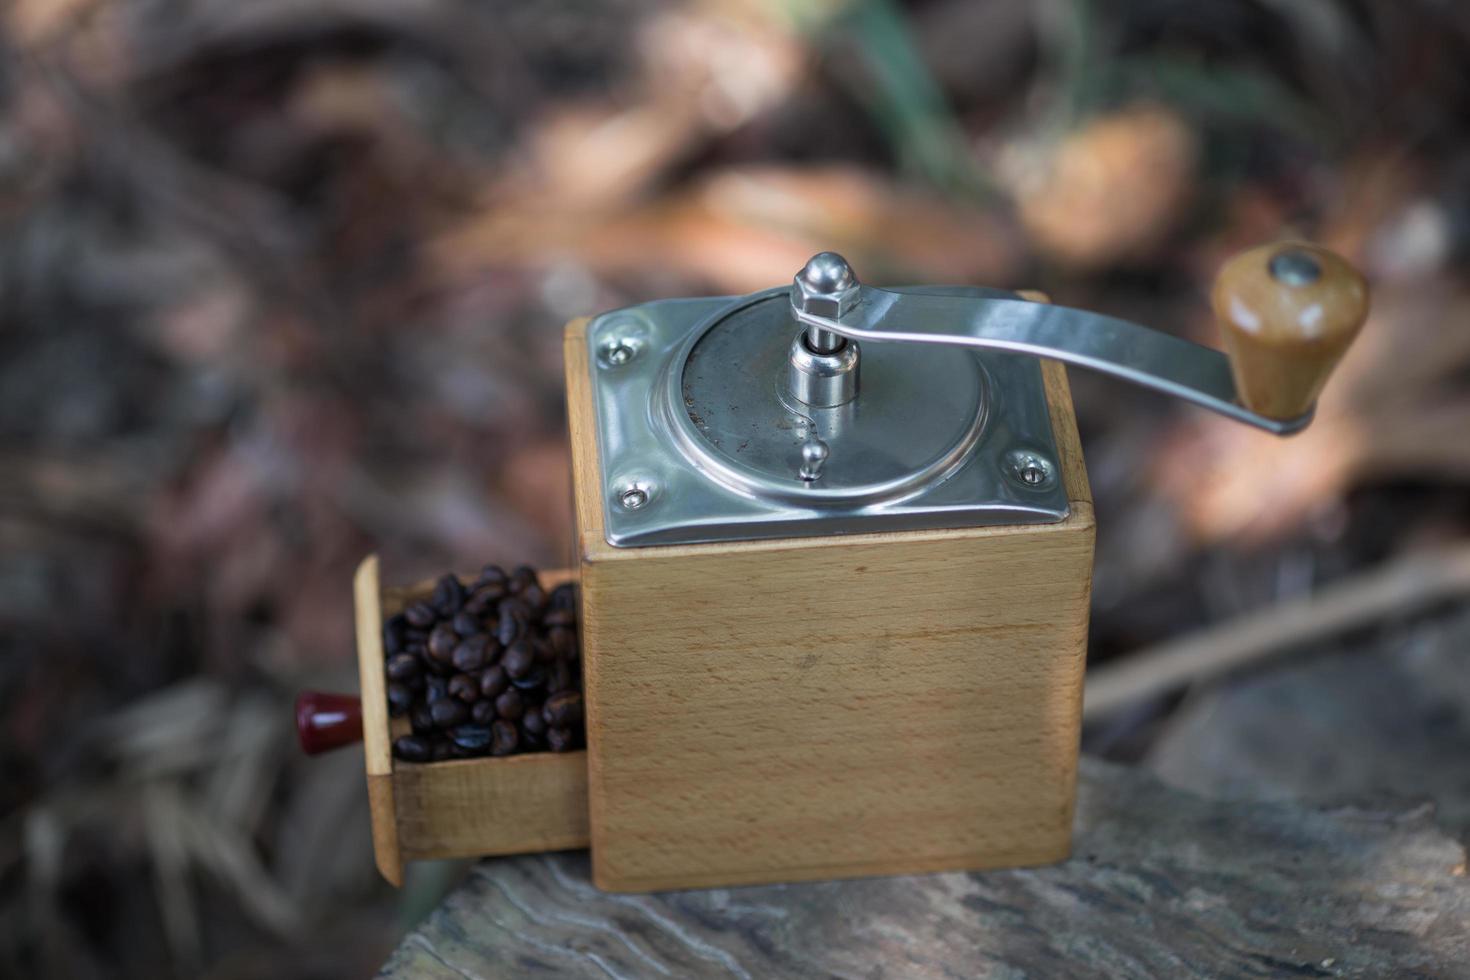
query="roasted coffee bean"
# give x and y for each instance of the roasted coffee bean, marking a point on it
(442, 643)
(564, 709)
(494, 667)
(503, 738)
(513, 619)
(394, 634)
(561, 739)
(563, 677)
(465, 623)
(522, 578)
(518, 659)
(533, 596)
(448, 712)
(563, 641)
(487, 592)
(510, 705)
(493, 681)
(449, 596)
(413, 748)
(421, 615)
(534, 681)
(402, 666)
(533, 723)
(400, 699)
(475, 738)
(466, 687)
(472, 653)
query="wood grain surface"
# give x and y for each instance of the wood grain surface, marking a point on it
(377, 745)
(1163, 884)
(1386, 712)
(827, 707)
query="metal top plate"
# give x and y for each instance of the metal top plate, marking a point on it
(699, 442)
(919, 411)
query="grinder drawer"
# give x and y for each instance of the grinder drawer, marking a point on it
(464, 807)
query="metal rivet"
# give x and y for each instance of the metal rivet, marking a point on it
(1294, 267)
(633, 498)
(1030, 469)
(814, 454)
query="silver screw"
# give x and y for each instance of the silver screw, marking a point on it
(620, 353)
(814, 454)
(1294, 267)
(1030, 469)
(633, 498)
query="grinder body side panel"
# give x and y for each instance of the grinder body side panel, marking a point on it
(835, 706)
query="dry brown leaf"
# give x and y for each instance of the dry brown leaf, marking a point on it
(702, 73)
(1109, 191)
(749, 228)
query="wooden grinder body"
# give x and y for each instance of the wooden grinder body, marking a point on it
(830, 706)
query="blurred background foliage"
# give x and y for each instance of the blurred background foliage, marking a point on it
(282, 283)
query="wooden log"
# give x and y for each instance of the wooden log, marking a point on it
(1163, 883)
(1389, 714)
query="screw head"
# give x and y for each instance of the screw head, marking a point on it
(617, 352)
(634, 498)
(1030, 469)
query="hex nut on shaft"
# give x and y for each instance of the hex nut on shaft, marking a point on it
(825, 287)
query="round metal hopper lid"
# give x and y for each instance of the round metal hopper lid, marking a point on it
(919, 411)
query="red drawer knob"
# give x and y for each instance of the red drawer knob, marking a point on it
(327, 721)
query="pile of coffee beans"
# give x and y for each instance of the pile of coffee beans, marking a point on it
(486, 669)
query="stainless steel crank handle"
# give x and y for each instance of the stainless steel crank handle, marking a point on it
(1118, 347)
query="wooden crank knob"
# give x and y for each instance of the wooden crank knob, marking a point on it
(1288, 312)
(327, 721)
